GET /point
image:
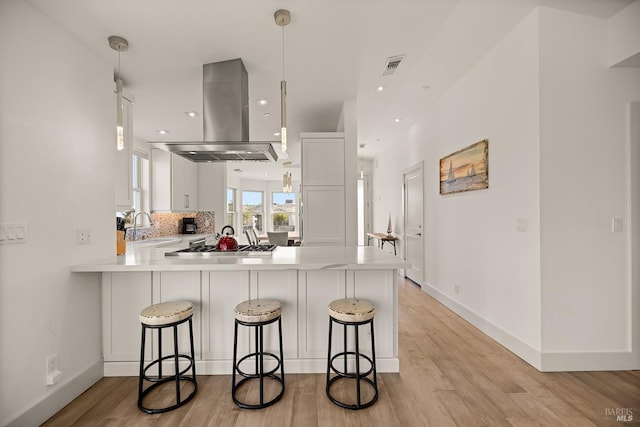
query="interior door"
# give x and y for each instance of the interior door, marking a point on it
(413, 216)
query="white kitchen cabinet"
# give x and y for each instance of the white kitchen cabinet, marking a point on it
(323, 189)
(124, 295)
(283, 287)
(221, 292)
(174, 183)
(179, 286)
(324, 215)
(317, 289)
(378, 287)
(124, 167)
(323, 159)
(184, 185)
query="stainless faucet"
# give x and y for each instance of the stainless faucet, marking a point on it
(135, 225)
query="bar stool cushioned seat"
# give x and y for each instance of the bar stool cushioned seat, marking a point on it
(160, 316)
(256, 314)
(352, 312)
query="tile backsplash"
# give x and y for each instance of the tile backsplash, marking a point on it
(169, 224)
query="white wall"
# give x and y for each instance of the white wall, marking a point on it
(57, 153)
(471, 237)
(583, 122)
(560, 294)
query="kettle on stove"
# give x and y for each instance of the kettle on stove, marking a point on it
(227, 242)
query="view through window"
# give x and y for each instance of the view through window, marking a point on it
(252, 210)
(231, 206)
(283, 212)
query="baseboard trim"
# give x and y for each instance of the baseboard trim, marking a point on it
(585, 361)
(64, 393)
(511, 343)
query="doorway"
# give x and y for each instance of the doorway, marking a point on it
(413, 216)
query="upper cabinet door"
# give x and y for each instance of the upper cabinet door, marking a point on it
(323, 160)
(174, 183)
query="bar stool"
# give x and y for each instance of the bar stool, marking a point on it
(256, 314)
(352, 312)
(158, 317)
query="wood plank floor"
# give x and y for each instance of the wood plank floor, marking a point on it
(451, 375)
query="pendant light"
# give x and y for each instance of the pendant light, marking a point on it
(287, 185)
(119, 44)
(283, 17)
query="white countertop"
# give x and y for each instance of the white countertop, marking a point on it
(283, 258)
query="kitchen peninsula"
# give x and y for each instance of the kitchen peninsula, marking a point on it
(303, 279)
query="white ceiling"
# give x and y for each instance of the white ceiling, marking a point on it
(335, 50)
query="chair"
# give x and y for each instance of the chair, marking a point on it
(280, 238)
(254, 236)
(250, 238)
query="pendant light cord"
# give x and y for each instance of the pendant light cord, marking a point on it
(283, 53)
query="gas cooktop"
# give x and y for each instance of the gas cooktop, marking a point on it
(210, 250)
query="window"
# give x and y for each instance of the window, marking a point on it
(140, 186)
(231, 206)
(283, 212)
(252, 210)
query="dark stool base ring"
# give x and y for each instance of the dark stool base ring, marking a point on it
(159, 379)
(259, 355)
(358, 376)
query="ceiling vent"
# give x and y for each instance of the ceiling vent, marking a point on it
(392, 65)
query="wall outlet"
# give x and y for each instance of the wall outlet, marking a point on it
(53, 370)
(83, 236)
(522, 224)
(617, 225)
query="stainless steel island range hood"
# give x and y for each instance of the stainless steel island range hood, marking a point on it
(225, 114)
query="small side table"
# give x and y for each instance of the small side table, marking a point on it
(383, 238)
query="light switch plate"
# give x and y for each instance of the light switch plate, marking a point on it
(13, 233)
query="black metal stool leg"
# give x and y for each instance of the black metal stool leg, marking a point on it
(358, 399)
(177, 363)
(259, 370)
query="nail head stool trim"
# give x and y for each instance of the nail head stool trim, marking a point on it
(352, 312)
(160, 316)
(256, 314)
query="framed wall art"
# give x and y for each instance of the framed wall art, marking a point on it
(466, 169)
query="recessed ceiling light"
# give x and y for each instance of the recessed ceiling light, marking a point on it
(266, 173)
(276, 134)
(162, 131)
(191, 113)
(380, 88)
(397, 119)
(263, 101)
(266, 114)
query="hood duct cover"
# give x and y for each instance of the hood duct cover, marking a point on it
(225, 96)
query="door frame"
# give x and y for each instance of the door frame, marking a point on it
(417, 166)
